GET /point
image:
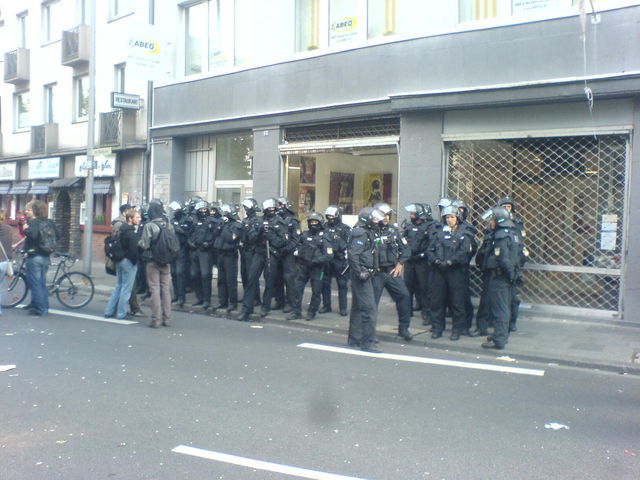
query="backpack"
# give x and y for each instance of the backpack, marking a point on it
(165, 248)
(47, 239)
(113, 248)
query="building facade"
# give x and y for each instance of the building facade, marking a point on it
(44, 99)
(353, 102)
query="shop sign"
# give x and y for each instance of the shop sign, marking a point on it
(125, 100)
(345, 24)
(146, 51)
(103, 166)
(44, 168)
(529, 6)
(8, 171)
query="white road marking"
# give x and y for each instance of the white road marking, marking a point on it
(431, 361)
(259, 464)
(91, 317)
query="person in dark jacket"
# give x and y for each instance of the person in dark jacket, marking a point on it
(227, 244)
(6, 238)
(338, 234)
(38, 260)
(180, 268)
(449, 255)
(126, 268)
(202, 256)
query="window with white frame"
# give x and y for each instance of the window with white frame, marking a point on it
(118, 8)
(22, 111)
(119, 72)
(22, 30)
(81, 98)
(49, 96)
(82, 12)
(51, 21)
(307, 26)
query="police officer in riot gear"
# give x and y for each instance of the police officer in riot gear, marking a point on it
(251, 222)
(201, 245)
(501, 265)
(417, 271)
(449, 256)
(463, 210)
(393, 252)
(313, 253)
(180, 268)
(286, 263)
(362, 257)
(227, 244)
(338, 235)
(483, 315)
(269, 238)
(508, 203)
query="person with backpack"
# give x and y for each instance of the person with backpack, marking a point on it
(40, 242)
(126, 260)
(160, 248)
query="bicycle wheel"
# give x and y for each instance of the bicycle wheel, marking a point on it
(74, 289)
(13, 290)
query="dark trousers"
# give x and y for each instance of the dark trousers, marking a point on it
(334, 270)
(417, 277)
(499, 290)
(448, 289)
(246, 255)
(228, 278)
(260, 264)
(180, 275)
(399, 293)
(468, 306)
(201, 274)
(364, 313)
(286, 279)
(306, 273)
(483, 316)
(515, 305)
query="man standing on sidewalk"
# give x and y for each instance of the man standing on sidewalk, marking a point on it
(158, 270)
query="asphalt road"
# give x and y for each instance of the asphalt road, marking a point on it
(93, 400)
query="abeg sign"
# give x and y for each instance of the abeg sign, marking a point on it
(144, 46)
(146, 51)
(344, 25)
(344, 28)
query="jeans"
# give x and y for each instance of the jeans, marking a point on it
(119, 300)
(36, 267)
(3, 274)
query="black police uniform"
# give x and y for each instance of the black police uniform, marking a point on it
(286, 282)
(180, 268)
(417, 272)
(394, 249)
(362, 257)
(252, 222)
(338, 236)
(267, 237)
(449, 256)
(202, 258)
(313, 253)
(483, 315)
(468, 306)
(227, 245)
(523, 256)
(501, 265)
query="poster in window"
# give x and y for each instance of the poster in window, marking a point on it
(341, 191)
(377, 188)
(308, 170)
(306, 200)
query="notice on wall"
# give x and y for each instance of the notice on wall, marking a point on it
(608, 232)
(162, 187)
(532, 6)
(346, 23)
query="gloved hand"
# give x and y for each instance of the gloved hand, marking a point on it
(364, 275)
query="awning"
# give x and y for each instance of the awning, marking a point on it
(65, 182)
(4, 188)
(39, 188)
(20, 188)
(103, 187)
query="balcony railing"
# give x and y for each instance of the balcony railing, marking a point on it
(75, 46)
(16, 66)
(110, 123)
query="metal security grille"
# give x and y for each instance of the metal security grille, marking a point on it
(570, 192)
(381, 127)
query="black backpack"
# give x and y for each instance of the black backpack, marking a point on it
(113, 248)
(47, 238)
(165, 248)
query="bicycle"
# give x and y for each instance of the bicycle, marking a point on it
(73, 289)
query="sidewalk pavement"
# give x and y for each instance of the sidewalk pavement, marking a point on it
(579, 342)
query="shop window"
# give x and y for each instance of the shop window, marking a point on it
(350, 178)
(101, 210)
(51, 29)
(234, 157)
(22, 111)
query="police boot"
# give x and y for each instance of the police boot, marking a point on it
(232, 308)
(294, 316)
(512, 327)
(492, 344)
(325, 309)
(404, 333)
(343, 312)
(455, 335)
(243, 317)
(310, 316)
(198, 303)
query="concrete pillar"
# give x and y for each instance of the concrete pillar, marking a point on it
(267, 163)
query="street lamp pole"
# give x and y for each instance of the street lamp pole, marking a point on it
(91, 126)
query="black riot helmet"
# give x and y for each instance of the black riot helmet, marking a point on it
(502, 216)
(507, 200)
(416, 212)
(214, 209)
(364, 214)
(333, 213)
(285, 205)
(444, 202)
(464, 209)
(250, 205)
(225, 210)
(176, 208)
(449, 210)
(377, 217)
(270, 206)
(314, 221)
(384, 207)
(428, 214)
(202, 209)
